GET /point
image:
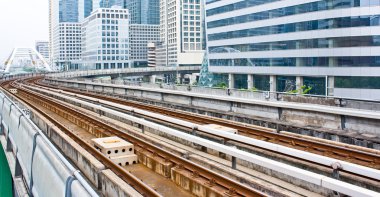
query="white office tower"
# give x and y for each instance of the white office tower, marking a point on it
(64, 31)
(287, 45)
(181, 33)
(66, 45)
(105, 39)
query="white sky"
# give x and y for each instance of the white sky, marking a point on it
(22, 22)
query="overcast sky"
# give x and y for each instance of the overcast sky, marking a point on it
(22, 22)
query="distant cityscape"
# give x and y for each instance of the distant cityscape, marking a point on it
(183, 98)
(326, 48)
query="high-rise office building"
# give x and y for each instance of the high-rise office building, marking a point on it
(68, 11)
(85, 8)
(283, 45)
(144, 11)
(67, 45)
(64, 30)
(140, 36)
(140, 11)
(133, 49)
(181, 33)
(42, 47)
(109, 3)
(105, 39)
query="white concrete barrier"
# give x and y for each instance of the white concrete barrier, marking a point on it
(23, 136)
(45, 170)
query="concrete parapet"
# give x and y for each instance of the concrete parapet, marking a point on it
(38, 162)
(152, 161)
(87, 163)
(113, 186)
(195, 184)
(289, 118)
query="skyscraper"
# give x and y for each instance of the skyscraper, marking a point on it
(85, 8)
(284, 45)
(181, 33)
(68, 11)
(144, 11)
(105, 39)
(140, 36)
(64, 30)
(109, 3)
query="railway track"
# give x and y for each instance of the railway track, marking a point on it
(123, 174)
(215, 181)
(333, 150)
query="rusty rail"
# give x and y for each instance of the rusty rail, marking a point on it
(352, 155)
(231, 187)
(136, 183)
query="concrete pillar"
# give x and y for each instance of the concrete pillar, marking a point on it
(152, 79)
(180, 78)
(332, 60)
(192, 78)
(299, 60)
(231, 81)
(250, 82)
(330, 85)
(273, 83)
(299, 84)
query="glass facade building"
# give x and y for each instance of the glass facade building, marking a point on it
(110, 3)
(141, 11)
(296, 43)
(144, 11)
(68, 11)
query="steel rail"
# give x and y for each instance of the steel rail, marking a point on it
(136, 183)
(350, 168)
(351, 155)
(230, 185)
(274, 165)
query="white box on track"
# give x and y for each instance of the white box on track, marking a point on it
(113, 146)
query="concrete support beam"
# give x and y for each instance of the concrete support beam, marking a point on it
(181, 78)
(273, 83)
(299, 84)
(192, 78)
(231, 81)
(332, 60)
(250, 82)
(299, 61)
(152, 79)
